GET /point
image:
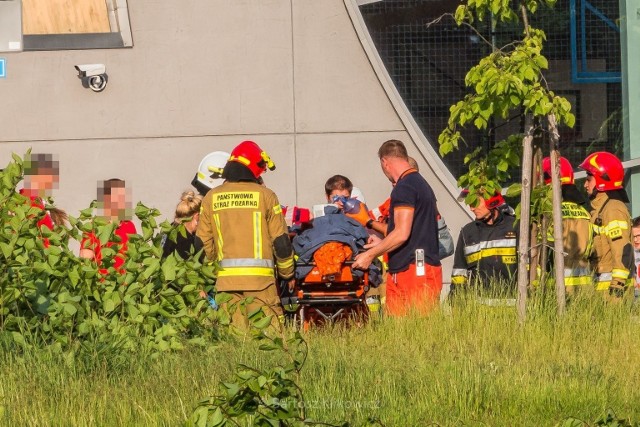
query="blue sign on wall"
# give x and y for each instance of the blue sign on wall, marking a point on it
(3, 69)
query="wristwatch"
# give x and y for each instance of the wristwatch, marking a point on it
(369, 224)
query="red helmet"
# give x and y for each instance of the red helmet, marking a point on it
(492, 202)
(606, 168)
(251, 155)
(566, 171)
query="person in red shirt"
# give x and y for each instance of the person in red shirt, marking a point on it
(41, 176)
(114, 202)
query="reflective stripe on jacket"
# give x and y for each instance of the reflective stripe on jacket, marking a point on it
(486, 251)
(612, 259)
(239, 222)
(577, 243)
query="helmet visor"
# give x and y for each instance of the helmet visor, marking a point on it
(267, 161)
(216, 172)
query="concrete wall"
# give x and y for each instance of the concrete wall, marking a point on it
(203, 75)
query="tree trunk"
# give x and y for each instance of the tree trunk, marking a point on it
(536, 249)
(544, 255)
(525, 202)
(558, 252)
(525, 214)
(535, 252)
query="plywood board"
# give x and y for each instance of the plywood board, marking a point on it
(64, 16)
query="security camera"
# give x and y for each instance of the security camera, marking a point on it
(88, 70)
(94, 76)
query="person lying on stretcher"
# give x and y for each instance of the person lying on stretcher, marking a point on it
(335, 237)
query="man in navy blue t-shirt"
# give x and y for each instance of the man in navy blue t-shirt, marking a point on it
(415, 273)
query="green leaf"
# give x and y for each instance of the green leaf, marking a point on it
(53, 260)
(74, 276)
(154, 266)
(262, 323)
(169, 268)
(188, 288)
(570, 120)
(216, 419)
(445, 148)
(18, 338)
(141, 211)
(514, 190)
(104, 233)
(86, 213)
(572, 422)
(480, 123)
(147, 232)
(70, 309)
(542, 62)
(6, 250)
(269, 347)
(223, 298)
(460, 14)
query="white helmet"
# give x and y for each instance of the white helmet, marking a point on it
(209, 173)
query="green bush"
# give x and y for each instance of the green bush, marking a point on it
(49, 297)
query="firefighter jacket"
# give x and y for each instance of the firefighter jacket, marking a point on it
(485, 252)
(577, 243)
(612, 259)
(240, 222)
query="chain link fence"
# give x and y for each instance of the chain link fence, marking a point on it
(428, 55)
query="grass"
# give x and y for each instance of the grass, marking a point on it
(473, 366)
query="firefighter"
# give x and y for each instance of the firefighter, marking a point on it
(577, 230)
(487, 247)
(242, 228)
(209, 173)
(613, 260)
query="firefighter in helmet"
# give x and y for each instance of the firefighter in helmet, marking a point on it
(577, 230)
(613, 260)
(486, 252)
(242, 228)
(209, 173)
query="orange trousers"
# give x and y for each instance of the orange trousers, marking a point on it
(406, 291)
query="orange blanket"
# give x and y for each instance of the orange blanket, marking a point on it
(330, 257)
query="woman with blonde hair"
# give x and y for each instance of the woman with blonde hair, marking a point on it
(187, 213)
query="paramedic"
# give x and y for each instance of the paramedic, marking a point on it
(415, 272)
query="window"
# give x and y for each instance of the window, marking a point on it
(10, 26)
(75, 24)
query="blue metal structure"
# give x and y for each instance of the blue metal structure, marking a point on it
(582, 74)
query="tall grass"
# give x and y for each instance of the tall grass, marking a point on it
(470, 365)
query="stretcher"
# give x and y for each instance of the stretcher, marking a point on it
(330, 292)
